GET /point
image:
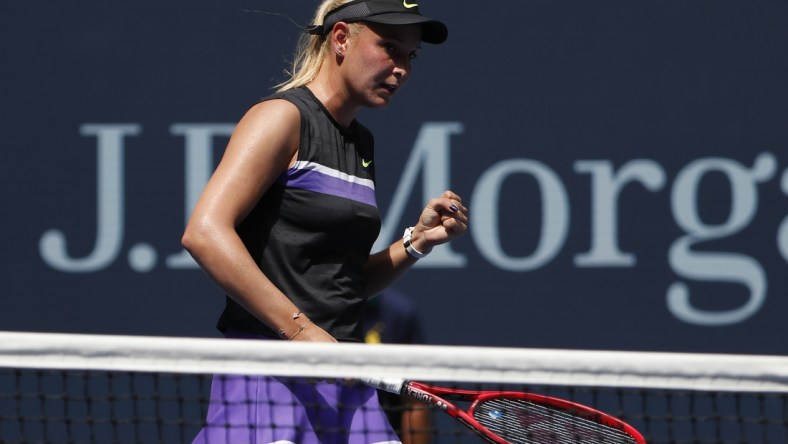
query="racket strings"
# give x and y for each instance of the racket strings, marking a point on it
(523, 422)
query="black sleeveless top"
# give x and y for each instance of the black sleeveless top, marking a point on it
(312, 231)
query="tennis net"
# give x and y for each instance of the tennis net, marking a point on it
(64, 388)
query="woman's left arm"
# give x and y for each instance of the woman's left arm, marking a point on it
(443, 219)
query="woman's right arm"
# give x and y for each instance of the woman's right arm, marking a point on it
(262, 147)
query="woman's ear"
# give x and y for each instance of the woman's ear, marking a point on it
(340, 35)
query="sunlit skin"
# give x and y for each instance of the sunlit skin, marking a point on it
(365, 69)
(380, 61)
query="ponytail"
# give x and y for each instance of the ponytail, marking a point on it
(310, 52)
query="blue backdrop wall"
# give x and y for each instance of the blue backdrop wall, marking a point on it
(625, 165)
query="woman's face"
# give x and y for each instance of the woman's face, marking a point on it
(378, 61)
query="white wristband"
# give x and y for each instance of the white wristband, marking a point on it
(406, 240)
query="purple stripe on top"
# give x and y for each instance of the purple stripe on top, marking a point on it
(320, 179)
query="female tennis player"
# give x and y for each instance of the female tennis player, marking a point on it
(286, 224)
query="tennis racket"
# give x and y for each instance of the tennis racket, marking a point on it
(519, 418)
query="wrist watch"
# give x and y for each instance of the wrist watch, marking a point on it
(406, 240)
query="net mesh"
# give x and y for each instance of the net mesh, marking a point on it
(112, 389)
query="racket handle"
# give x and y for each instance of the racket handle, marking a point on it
(390, 385)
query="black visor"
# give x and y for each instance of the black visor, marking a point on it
(389, 12)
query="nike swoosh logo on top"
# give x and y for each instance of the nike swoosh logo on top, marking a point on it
(365, 163)
(409, 5)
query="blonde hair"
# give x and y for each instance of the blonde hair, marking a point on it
(311, 50)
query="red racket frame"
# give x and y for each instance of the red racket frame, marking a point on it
(439, 397)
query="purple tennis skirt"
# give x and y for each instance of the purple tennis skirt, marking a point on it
(274, 410)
